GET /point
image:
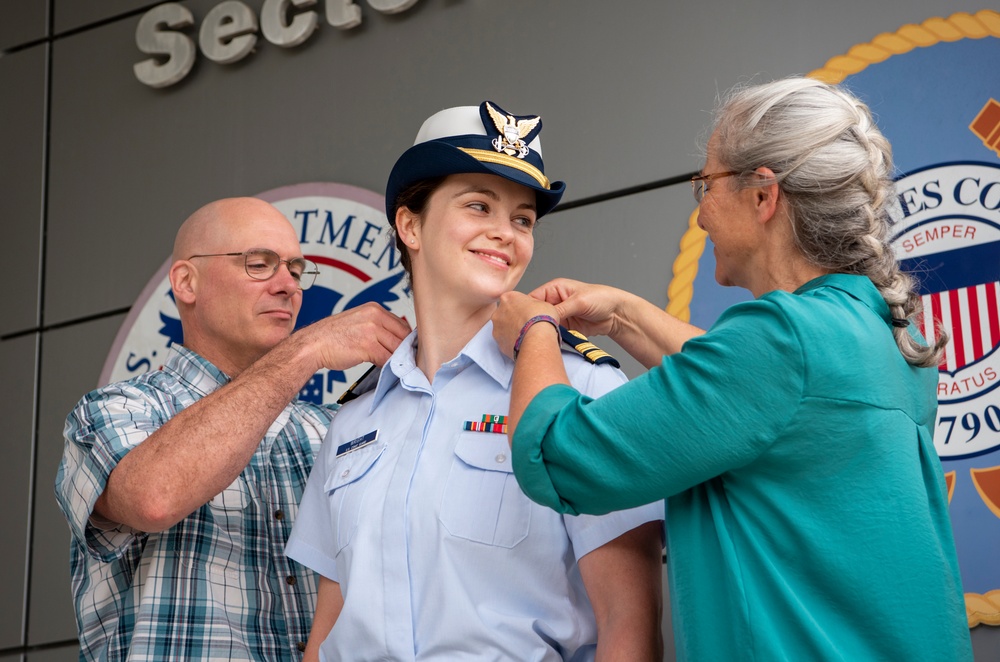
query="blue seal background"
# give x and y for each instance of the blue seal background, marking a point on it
(925, 100)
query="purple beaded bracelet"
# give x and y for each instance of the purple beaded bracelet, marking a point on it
(530, 323)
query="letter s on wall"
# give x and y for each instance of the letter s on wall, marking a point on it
(155, 36)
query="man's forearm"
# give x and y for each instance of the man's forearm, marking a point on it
(202, 449)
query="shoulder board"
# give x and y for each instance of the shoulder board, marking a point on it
(365, 383)
(585, 348)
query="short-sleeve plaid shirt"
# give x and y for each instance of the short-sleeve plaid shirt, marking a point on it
(217, 585)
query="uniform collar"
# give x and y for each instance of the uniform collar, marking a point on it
(481, 350)
(857, 287)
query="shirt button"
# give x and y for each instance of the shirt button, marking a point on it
(301, 646)
(501, 458)
(347, 472)
(290, 580)
(279, 515)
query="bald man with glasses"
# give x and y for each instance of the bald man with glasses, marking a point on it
(180, 486)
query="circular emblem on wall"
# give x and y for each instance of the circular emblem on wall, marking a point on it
(946, 233)
(935, 99)
(342, 229)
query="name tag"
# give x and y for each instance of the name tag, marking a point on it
(355, 444)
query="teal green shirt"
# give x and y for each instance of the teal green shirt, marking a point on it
(807, 516)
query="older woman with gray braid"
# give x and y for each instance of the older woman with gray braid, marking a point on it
(807, 515)
(836, 177)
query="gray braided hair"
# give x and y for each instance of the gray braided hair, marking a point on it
(834, 168)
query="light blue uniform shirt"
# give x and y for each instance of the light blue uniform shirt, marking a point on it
(438, 553)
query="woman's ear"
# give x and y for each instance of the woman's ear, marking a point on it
(766, 194)
(407, 227)
(183, 281)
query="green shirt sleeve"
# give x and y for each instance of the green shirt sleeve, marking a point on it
(716, 405)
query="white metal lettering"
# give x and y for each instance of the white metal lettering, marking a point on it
(177, 47)
(278, 30)
(229, 32)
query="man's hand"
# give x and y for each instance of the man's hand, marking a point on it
(365, 334)
(202, 449)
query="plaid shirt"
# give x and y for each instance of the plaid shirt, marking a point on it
(215, 586)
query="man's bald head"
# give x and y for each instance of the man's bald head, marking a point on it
(210, 228)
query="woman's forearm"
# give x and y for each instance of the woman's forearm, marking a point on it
(539, 364)
(648, 333)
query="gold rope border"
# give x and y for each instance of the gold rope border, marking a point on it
(979, 608)
(681, 288)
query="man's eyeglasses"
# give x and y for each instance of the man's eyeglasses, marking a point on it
(699, 183)
(262, 264)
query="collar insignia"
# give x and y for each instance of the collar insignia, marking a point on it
(586, 349)
(365, 383)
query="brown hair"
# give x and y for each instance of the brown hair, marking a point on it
(415, 198)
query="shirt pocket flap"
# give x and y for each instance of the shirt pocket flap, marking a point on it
(351, 466)
(234, 498)
(485, 450)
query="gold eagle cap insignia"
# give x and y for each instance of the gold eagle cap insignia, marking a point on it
(512, 132)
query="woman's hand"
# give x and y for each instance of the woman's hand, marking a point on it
(643, 330)
(513, 311)
(590, 309)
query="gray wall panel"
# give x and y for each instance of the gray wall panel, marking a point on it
(23, 21)
(985, 642)
(625, 94)
(17, 364)
(71, 362)
(22, 124)
(73, 14)
(109, 139)
(661, 74)
(62, 654)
